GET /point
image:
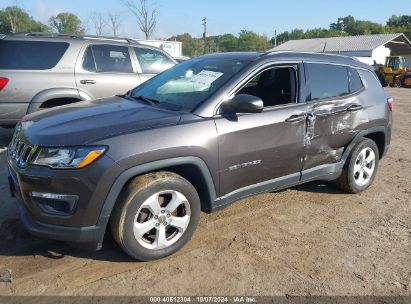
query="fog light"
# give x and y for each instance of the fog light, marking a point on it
(55, 204)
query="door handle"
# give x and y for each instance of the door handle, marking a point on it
(87, 81)
(295, 118)
(354, 108)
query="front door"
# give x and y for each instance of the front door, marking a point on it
(256, 148)
(151, 62)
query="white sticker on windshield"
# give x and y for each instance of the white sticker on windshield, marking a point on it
(206, 78)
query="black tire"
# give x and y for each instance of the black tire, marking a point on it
(134, 195)
(381, 79)
(346, 181)
(406, 76)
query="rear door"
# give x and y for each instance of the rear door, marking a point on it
(334, 112)
(151, 62)
(106, 70)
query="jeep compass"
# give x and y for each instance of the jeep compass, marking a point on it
(194, 138)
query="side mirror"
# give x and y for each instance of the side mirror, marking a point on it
(244, 103)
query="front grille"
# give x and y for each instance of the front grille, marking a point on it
(20, 152)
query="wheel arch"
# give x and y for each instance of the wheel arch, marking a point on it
(379, 138)
(54, 94)
(377, 134)
(191, 168)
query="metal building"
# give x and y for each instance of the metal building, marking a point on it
(367, 48)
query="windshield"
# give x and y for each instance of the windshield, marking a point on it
(395, 63)
(188, 84)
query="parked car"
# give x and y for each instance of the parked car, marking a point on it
(41, 70)
(197, 137)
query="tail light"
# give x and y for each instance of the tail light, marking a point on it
(3, 82)
(390, 102)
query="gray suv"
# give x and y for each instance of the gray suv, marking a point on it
(196, 137)
(40, 70)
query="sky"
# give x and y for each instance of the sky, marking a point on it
(224, 16)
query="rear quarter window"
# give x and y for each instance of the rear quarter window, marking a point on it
(327, 81)
(30, 55)
(355, 81)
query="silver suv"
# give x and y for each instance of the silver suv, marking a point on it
(40, 71)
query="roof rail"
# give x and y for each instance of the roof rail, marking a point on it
(43, 34)
(129, 40)
(75, 36)
(308, 53)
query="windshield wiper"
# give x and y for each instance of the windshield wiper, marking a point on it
(150, 101)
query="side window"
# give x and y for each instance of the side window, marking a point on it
(30, 55)
(327, 81)
(152, 61)
(355, 81)
(106, 58)
(275, 86)
(88, 61)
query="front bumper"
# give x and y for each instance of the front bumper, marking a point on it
(84, 237)
(84, 228)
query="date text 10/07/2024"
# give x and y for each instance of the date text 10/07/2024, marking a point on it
(205, 299)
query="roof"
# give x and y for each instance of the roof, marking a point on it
(284, 56)
(366, 43)
(248, 56)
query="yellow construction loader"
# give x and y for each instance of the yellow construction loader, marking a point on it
(394, 73)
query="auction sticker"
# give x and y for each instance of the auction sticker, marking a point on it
(206, 78)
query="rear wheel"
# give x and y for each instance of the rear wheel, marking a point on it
(156, 215)
(397, 82)
(406, 81)
(360, 168)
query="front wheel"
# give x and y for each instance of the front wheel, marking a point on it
(381, 78)
(360, 168)
(156, 215)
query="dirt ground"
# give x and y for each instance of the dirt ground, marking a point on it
(308, 240)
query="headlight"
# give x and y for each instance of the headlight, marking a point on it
(63, 158)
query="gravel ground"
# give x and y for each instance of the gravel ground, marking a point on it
(308, 240)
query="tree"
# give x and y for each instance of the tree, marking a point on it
(66, 23)
(295, 34)
(114, 23)
(321, 33)
(190, 45)
(250, 41)
(399, 24)
(399, 21)
(14, 19)
(146, 16)
(358, 27)
(99, 23)
(350, 27)
(227, 43)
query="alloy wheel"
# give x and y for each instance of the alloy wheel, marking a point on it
(162, 219)
(364, 166)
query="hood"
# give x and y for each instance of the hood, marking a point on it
(88, 121)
